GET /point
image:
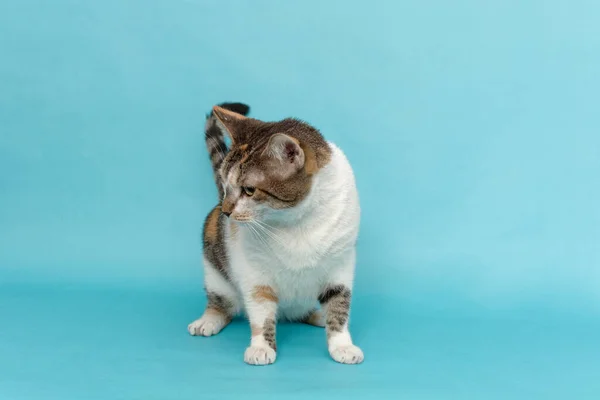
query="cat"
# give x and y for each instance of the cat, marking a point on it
(282, 239)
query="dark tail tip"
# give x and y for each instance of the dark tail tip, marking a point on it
(239, 108)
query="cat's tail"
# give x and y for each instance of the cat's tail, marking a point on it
(215, 139)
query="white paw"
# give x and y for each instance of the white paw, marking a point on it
(347, 354)
(260, 355)
(207, 325)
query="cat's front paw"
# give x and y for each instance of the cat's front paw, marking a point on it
(207, 325)
(350, 354)
(260, 355)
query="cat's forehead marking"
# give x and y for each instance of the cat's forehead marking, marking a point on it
(233, 176)
(254, 177)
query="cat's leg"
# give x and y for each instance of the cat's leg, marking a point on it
(335, 300)
(261, 306)
(222, 305)
(223, 300)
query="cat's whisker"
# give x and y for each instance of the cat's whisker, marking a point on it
(273, 229)
(255, 233)
(265, 233)
(253, 230)
(270, 226)
(253, 226)
(272, 235)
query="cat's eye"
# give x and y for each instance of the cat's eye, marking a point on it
(248, 190)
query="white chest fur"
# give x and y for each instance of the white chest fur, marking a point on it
(296, 256)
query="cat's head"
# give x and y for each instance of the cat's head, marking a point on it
(270, 165)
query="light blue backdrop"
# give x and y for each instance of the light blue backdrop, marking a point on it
(473, 128)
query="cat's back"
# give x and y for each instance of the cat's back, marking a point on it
(339, 193)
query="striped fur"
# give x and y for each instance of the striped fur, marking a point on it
(336, 300)
(214, 241)
(215, 140)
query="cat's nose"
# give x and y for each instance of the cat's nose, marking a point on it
(227, 214)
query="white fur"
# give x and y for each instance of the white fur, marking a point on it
(259, 354)
(207, 325)
(300, 251)
(347, 354)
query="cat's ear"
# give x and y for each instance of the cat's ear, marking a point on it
(231, 121)
(286, 152)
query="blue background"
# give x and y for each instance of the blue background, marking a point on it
(473, 128)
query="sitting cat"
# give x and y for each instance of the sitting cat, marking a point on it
(283, 237)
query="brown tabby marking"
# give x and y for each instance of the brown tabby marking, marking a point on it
(336, 301)
(212, 225)
(215, 143)
(214, 242)
(269, 333)
(219, 304)
(283, 183)
(310, 160)
(228, 206)
(264, 293)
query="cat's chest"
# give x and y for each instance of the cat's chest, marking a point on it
(294, 265)
(291, 250)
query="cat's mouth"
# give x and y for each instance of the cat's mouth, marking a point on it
(243, 219)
